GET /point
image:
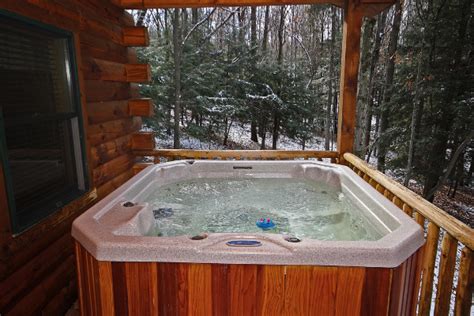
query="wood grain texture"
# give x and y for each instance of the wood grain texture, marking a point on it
(143, 141)
(34, 278)
(304, 284)
(141, 4)
(350, 55)
(465, 281)
(446, 274)
(148, 288)
(460, 231)
(141, 107)
(135, 36)
(236, 154)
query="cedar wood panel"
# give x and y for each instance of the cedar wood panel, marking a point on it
(151, 288)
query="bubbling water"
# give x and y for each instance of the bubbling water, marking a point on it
(299, 207)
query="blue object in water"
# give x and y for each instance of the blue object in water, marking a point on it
(265, 224)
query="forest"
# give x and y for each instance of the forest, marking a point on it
(273, 72)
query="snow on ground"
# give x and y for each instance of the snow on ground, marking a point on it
(240, 134)
(186, 142)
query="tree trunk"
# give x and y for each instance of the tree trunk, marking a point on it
(363, 93)
(276, 114)
(415, 118)
(390, 71)
(371, 85)
(177, 75)
(253, 44)
(452, 163)
(141, 17)
(263, 132)
(265, 30)
(330, 81)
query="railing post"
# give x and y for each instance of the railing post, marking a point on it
(349, 74)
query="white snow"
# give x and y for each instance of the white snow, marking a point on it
(240, 135)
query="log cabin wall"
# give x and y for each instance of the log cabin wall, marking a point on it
(37, 267)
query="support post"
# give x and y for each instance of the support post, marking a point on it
(349, 75)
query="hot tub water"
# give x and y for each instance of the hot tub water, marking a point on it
(299, 207)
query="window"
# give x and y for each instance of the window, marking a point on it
(41, 143)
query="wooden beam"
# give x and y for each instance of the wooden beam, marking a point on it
(112, 169)
(107, 151)
(138, 73)
(153, 4)
(368, 7)
(140, 107)
(143, 141)
(100, 112)
(349, 72)
(135, 36)
(98, 69)
(236, 154)
(104, 132)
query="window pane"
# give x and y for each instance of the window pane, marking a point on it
(33, 63)
(39, 127)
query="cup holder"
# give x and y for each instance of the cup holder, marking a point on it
(292, 239)
(199, 237)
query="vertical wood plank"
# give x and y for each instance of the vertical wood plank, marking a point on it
(120, 288)
(420, 219)
(220, 290)
(168, 288)
(310, 290)
(465, 282)
(350, 56)
(428, 269)
(200, 289)
(350, 283)
(410, 286)
(81, 283)
(142, 291)
(376, 292)
(106, 292)
(397, 290)
(407, 209)
(417, 286)
(243, 289)
(446, 273)
(271, 290)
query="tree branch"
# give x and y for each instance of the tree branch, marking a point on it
(231, 14)
(451, 165)
(198, 25)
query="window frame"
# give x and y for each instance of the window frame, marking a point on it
(76, 112)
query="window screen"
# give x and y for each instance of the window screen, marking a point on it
(41, 136)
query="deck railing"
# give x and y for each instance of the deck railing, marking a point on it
(436, 223)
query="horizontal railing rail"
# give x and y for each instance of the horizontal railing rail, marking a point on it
(174, 154)
(436, 223)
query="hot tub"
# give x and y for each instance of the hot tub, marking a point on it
(181, 238)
